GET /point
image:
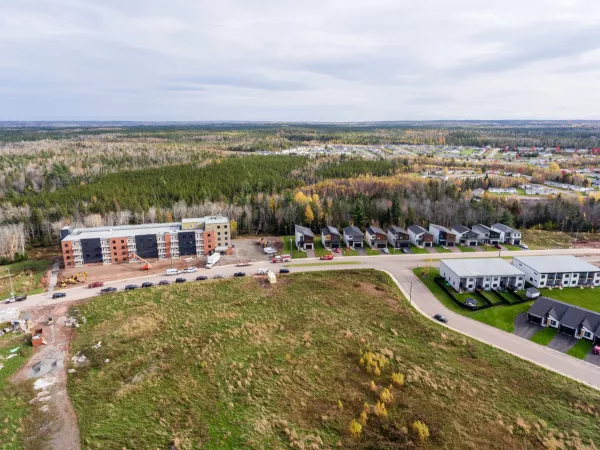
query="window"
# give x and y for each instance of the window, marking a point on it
(67, 252)
(218, 227)
(116, 259)
(68, 257)
(122, 241)
(219, 233)
(114, 247)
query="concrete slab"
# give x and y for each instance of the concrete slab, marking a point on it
(524, 328)
(562, 342)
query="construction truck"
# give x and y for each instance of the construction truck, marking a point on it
(80, 277)
(212, 260)
(146, 266)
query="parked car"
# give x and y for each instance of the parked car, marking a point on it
(108, 290)
(284, 270)
(386, 251)
(163, 282)
(471, 303)
(239, 274)
(147, 284)
(498, 246)
(218, 276)
(20, 298)
(179, 280)
(59, 295)
(262, 271)
(440, 318)
(201, 278)
(326, 257)
(131, 287)
(596, 350)
(191, 270)
(525, 246)
(338, 250)
(9, 300)
(96, 284)
(404, 250)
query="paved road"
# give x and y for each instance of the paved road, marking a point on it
(400, 267)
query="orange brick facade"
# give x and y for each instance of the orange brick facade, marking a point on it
(118, 250)
(210, 243)
(67, 252)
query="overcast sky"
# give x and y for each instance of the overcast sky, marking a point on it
(326, 60)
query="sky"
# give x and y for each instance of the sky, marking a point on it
(327, 60)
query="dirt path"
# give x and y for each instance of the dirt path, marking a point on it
(48, 367)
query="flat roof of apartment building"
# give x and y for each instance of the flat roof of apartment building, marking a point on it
(556, 263)
(474, 267)
(122, 231)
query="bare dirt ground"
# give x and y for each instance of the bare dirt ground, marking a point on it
(47, 368)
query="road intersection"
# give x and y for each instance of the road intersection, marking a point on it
(400, 267)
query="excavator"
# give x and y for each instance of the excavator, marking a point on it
(80, 277)
(146, 266)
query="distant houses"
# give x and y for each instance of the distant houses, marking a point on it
(305, 239)
(420, 237)
(442, 236)
(486, 234)
(376, 237)
(465, 236)
(353, 237)
(508, 235)
(398, 237)
(330, 237)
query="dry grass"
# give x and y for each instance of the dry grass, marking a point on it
(320, 360)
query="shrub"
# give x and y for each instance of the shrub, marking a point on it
(421, 430)
(379, 409)
(373, 386)
(363, 417)
(355, 428)
(374, 362)
(340, 405)
(386, 396)
(398, 379)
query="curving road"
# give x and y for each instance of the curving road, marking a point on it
(400, 268)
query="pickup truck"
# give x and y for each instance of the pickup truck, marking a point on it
(95, 284)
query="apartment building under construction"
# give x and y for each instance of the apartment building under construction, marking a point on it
(122, 244)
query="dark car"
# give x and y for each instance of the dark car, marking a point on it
(108, 290)
(59, 295)
(498, 246)
(440, 318)
(239, 274)
(284, 270)
(163, 282)
(131, 287)
(201, 278)
(179, 280)
(471, 303)
(147, 284)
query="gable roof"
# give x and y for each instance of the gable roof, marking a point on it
(439, 227)
(481, 227)
(416, 229)
(328, 229)
(397, 230)
(375, 230)
(305, 231)
(502, 227)
(460, 228)
(568, 315)
(352, 231)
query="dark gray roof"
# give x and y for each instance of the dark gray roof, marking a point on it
(417, 229)
(373, 230)
(397, 230)
(305, 231)
(353, 231)
(460, 228)
(502, 227)
(482, 227)
(330, 230)
(532, 290)
(568, 315)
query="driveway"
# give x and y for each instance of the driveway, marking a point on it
(431, 249)
(562, 342)
(310, 253)
(593, 359)
(524, 328)
(361, 251)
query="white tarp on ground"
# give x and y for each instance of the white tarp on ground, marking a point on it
(9, 314)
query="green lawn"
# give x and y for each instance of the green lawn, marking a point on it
(442, 249)
(489, 248)
(296, 254)
(26, 277)
(544, 336)
(512, 248)
(466, 249)
(319, 249)
(581, 349)
(347, 251)
(501, 316)
(585, 298)
(233, 364)
(326, 263)
(417, 250)
(371, 251)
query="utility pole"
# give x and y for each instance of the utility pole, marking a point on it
(410, 295)
(12, 292)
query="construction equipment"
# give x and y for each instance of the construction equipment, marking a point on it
(79, 277)
(146, 266)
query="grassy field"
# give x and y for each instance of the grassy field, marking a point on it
(347, 251)
(287, 243)
(539, 239)
(581, 349)
(584, 298)
(544, 336)
(372, 252)
(442, 249)
(502, 316)
(417, 250)
(338, 262)
(233, 364)
(18, 419)
(26, 277)
(512, 248)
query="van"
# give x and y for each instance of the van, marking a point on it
(172, 271)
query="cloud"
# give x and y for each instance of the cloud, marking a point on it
(336, 60)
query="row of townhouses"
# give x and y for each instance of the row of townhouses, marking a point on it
(130, 243)
(416, 235)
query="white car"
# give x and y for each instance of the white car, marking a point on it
(191, 270)
(525, 246)
(262, 271)
(386, 251)
(9, 300)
